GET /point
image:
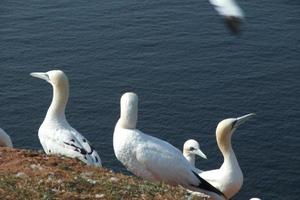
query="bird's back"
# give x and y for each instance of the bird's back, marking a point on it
(152, 158)
(5, 140)
(64, 140)
(227, 181)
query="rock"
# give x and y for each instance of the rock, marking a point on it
(86, 174)
(21, 175)
(54, 190)
(36, 167)
(98, 196)
(40, 151)
(91, 181)
(114, 179)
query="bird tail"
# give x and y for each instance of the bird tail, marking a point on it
(207, 186)
(95, 157)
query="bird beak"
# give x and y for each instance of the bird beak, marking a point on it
(41, 75)
(241, 120)
(200, 153)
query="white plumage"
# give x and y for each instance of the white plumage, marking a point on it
(5, 140)
(227, 8)
(229, 178)
(191, 148)
(231, 12)
(150, 157)
(55, 134)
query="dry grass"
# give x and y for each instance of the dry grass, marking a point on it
(27, 174)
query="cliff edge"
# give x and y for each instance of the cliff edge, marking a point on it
(27, 174)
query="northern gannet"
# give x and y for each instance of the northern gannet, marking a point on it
(229, 178)
(55, 134)
(231, 12)
(151, 158)
(191, 148)
(5, 140)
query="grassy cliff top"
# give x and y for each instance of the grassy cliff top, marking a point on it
(26, 174)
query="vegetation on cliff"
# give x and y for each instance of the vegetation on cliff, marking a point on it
(26, 174)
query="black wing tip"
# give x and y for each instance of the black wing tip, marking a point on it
(234, 24)
(207, 186)
(78, 149)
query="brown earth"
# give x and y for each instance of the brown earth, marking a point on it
(27, 174)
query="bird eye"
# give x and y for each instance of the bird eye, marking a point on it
(192, 148)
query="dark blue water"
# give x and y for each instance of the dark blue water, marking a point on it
(187, 69)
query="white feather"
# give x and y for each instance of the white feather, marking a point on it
(229, 177)
(55, 134)
(227, 8)
(5, 140)
(150, 157)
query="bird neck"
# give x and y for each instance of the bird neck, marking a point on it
(57, 108)
(190, 158)
(128, 118)
(230, 160)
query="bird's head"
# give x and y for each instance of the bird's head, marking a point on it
(129, 110)
(54, 77)
(192, 147)
(226, 128)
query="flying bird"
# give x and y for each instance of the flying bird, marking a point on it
(231, 12)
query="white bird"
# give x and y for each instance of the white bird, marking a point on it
(191, 148)
(231, 12)
(55, 134)
(151, 158)
(255, 199)
(229, 178)
(5, 140)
